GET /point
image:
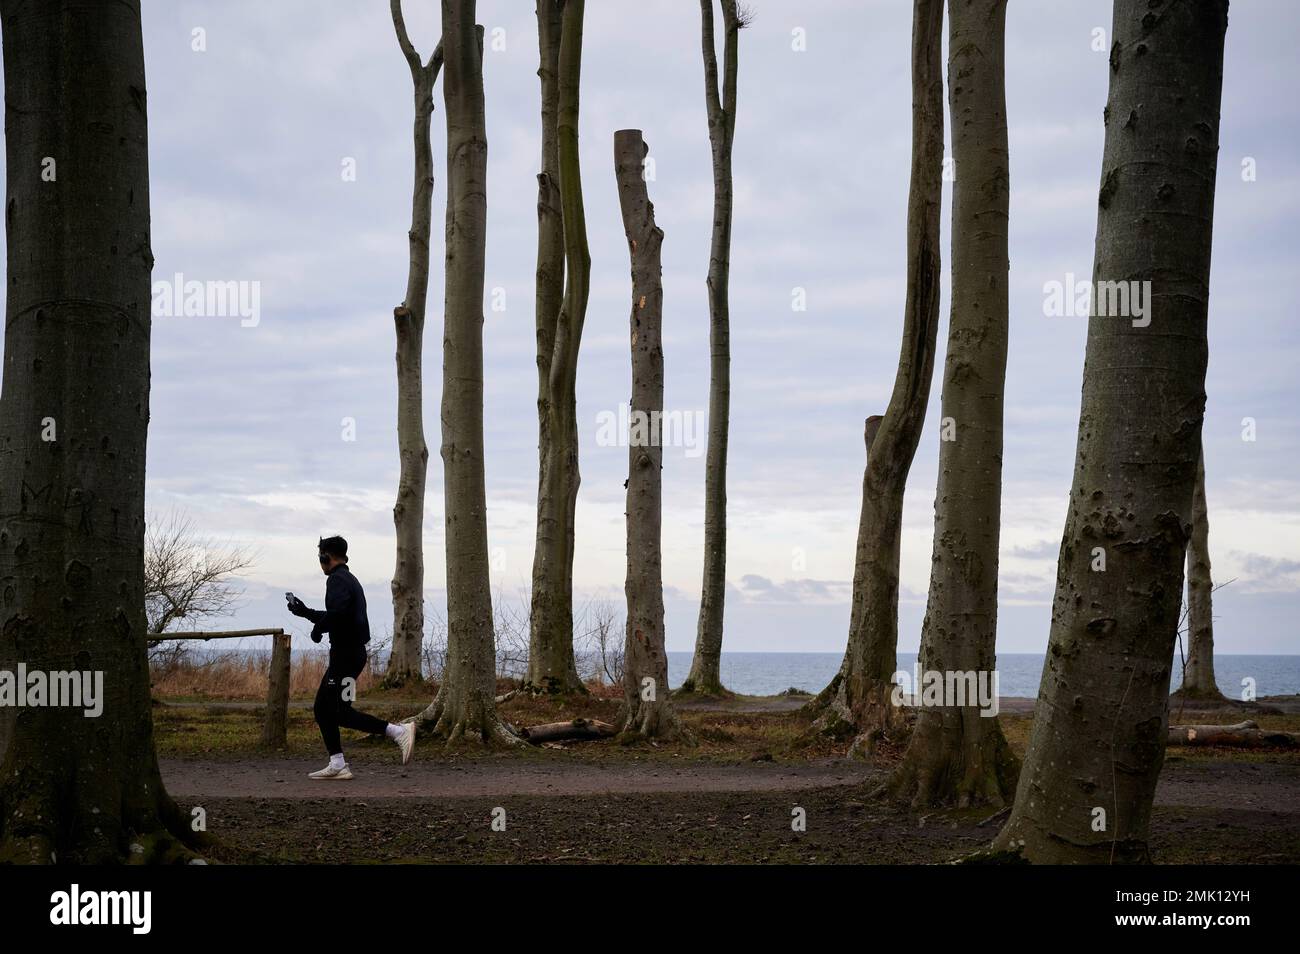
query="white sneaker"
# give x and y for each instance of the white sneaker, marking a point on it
(406, 741)
(330, 773)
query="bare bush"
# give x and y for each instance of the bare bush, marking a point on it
(603, 632)
(189, 579)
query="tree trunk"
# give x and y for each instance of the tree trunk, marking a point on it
(705, 675)
(1243, 735)
(1198, 672)
(1099, 732)
(956, 756)
(404, 663)
(77, 789)
(857, 701)
(465, 705)
(561, 248)
(648, 711)
(575, 729)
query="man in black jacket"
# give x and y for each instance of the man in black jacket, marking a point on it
(344, 618)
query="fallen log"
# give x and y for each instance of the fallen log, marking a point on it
(1242, 735)
(562, 731)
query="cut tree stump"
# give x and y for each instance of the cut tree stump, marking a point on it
(562, 731)
(1242, 735)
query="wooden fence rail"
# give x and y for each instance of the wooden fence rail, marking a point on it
(275, 728)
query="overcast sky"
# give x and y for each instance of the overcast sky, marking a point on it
(250, 142)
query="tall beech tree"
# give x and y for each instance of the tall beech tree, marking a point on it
(562, 284)
(1198, 673)
(857, 702)
(955, 755)
(74, 417)
(648, 710)
(705, 675)
(1099, 731)
(408, 320)
(465, 707)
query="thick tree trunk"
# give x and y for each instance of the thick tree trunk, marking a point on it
(1099, 734)
(561, 251)
(648, 711)
(705, 675)
(74, 788)
(857, 702)
(955, 756)
(1198, 673)
(404, 664)
(465, 705)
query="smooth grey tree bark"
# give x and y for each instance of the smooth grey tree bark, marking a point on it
(955, 755)
(404, 663)
(465, 707)
(705, 675)
(1100, 726)
(74, 417)
(857, 702)
(1198, 673)
(648, 710)
(563, 262)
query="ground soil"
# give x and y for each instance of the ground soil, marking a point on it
(730, 799)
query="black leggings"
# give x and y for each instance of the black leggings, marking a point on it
(333, 706)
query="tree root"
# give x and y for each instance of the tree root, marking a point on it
(480, 725)
(37, 827)
(714, 690)
(652, 721)
(867, 721)
(955, 759)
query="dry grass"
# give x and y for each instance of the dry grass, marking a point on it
(243, 677)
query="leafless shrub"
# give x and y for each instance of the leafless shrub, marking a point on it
(601, 636)
(433, 648)
(510, 629)
(188, 579)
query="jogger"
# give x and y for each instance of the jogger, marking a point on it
(333, 707)
(344, 618)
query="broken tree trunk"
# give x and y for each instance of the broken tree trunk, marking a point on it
(576, 729)
(648, 711)
(1242, 735)
(404, 663)
(857, 702)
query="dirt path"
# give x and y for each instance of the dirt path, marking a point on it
(1265, 786)
(283, 778)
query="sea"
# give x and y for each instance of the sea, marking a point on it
(766, 674)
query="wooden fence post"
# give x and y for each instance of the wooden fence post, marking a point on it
(275, 730)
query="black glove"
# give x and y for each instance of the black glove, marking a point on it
(297, 607)
(316, 633)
